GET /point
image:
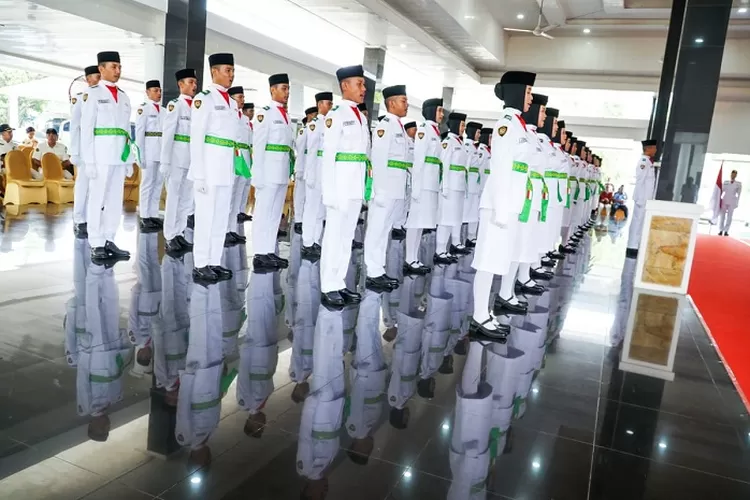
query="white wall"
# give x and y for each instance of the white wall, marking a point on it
(729, 128)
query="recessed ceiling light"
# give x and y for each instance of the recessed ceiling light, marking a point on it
(699, 40)
(403, 45)
(520, 16)
(195, 480)
(662, 445)
(586, 30)
(535, 464)
(743, 10)
(629, 432)
(468, 17)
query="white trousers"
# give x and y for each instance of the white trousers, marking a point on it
(104, 207)
(300, 193)
(313, 215)
(150, 190)
(269, 201)
(401, 211)
(380, 219)
(337, 245)
(725, 219)
(241, 186)
(80, 195)
(179, 202)
(637, 218)
(211, 212)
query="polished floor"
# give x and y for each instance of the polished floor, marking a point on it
(590, 429)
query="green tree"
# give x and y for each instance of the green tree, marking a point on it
(28, 109)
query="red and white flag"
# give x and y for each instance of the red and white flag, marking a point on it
(715, 203)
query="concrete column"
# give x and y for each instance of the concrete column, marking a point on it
(153, 56)
(448, 106)
(373, 64)
(297, 100)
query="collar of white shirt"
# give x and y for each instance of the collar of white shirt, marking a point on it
(218, 87)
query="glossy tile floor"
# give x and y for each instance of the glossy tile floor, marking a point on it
(590, 430)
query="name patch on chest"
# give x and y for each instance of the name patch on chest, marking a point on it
(104, 101)
(278, 122)
(349, 123)
(220, 108)
(185, 118)
(523, 140)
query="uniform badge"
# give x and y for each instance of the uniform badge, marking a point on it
(381, 132)
(301, 131)
(329, 122)
(445, 145)
(197, 104)
(260, 118)
(502, 131)
(421, 135)
(73, 100)
(312, 127)
(85, 96)
(140, 111)
(170, 107)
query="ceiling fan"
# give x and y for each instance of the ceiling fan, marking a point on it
(539, 30)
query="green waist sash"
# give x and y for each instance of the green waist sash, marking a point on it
(359, 158)
(181, 138)
(128, 143)
(241, 167)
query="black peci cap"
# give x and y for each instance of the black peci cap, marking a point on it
(539, 99)
(394, 91)
(185, 73)
(91, 70)
(221, 58)
(459, 117)
(324, 96)
(153, 84)
(248, 105)
(51, 131)
(105, 57)
(518, 77)
(350, 72)
(432, 103)
(311, 110)
(560, 123)
(278, 79)
(649, 142)
(235, 90)
(410, 125)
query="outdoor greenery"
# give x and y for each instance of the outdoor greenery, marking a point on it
(28, 109)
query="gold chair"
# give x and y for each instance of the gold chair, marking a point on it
(59, 189)
(29, 151)
(132, 184)
(20, 188)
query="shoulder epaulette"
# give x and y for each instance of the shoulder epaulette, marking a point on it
(335, 107)
(423, 124)
(386, 119)
(315, 119)
(508, 117)
(205, 92)
(174, 100)
(266, 107)
(95, 86)
(79, 93)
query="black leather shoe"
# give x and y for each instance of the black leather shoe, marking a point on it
(631, 253)
(470, 244)
(350, 297)
(726, 233)
(527, 289)
(398, 234)
(548, 263)
(555, 256)
(99, 253)
(243, 217)
(222, 273)
(229, 240)
(263, 262)
(173, 247)
(156, 221)
(311, 252)
(363, 208)
(459, 250)
(81, 230)
(280, 263)
(429, 230)
(540, 274)
(379, 285)
(147, 226)
(281, 233)
(393, 281)
(205, 274)
(567, 250)
(488, 331)
(332, 300)
(357, 245)
(360, 222)
(241, 240)
(443, 259)
(508, 308)
(114, 251)
(416, 270)
(575, 238)
(191, 221)
(185, 244)
(298, 227)
(446, 367)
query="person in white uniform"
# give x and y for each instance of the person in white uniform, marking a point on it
(81, 188)
(248, 110)
(314, 211)
(402, 206)
(345, 177)
(454, 158)
(730, 199)
(175, 161)
(148, 135)
(273, 159)
(108, 155)
(389, 176)
(52, 145)
(300, 166)
(240, 176)
(645, 187)
(425, 184)
(473, 183)
(214, 128)
(502, 207)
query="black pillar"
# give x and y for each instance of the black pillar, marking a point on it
(184, 42)
(696, 84)
(373, 64)
(668, 65)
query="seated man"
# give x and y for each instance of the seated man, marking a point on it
(619, 201)
(30, 140)
(51, 146)
(6, 144)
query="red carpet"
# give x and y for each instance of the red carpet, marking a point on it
(719, 289)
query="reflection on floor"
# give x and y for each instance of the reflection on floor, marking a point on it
(415, 422)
